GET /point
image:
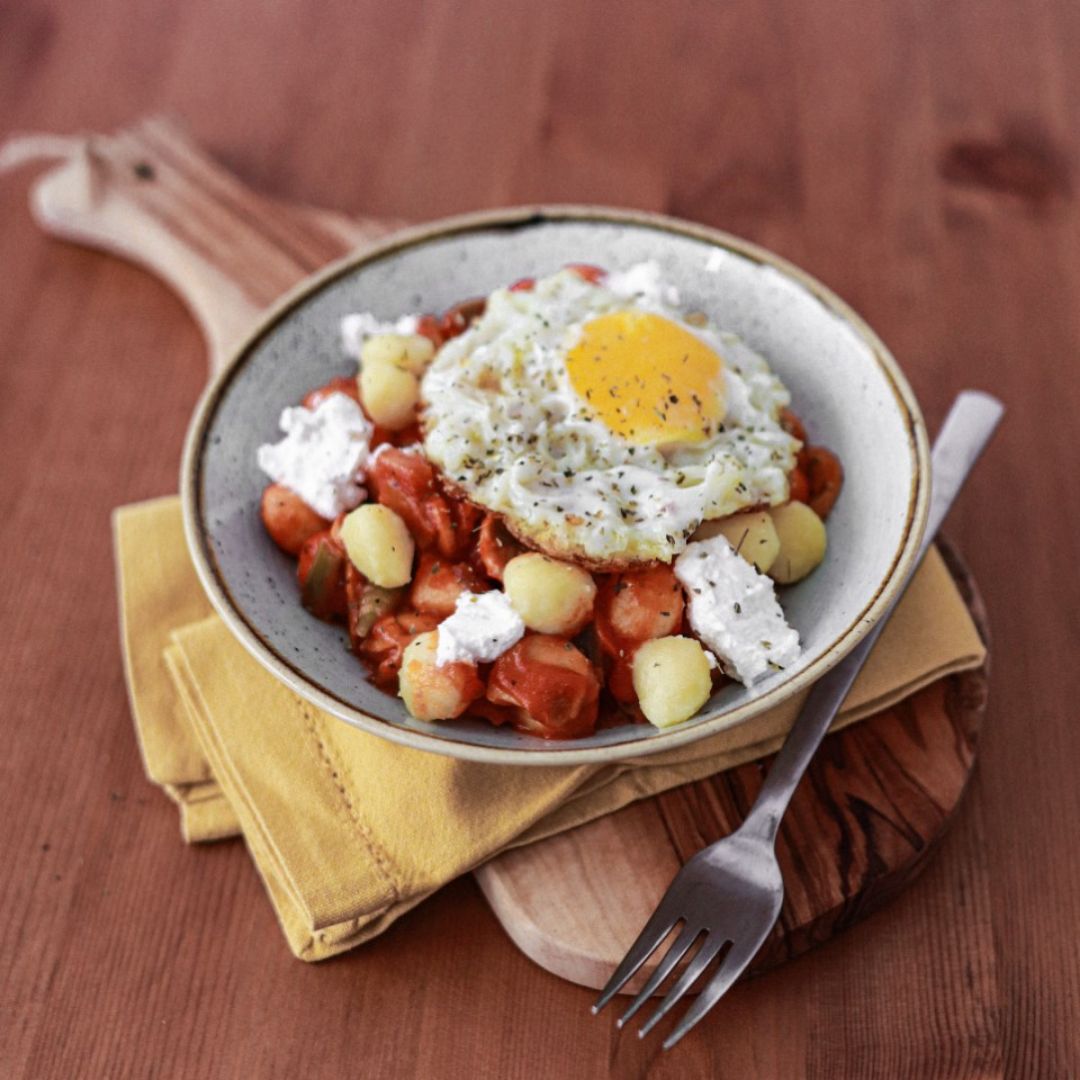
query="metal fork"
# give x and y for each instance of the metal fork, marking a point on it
(732, 891)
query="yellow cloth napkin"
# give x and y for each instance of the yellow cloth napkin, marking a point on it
(349, 831)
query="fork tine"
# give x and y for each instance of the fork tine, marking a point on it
(655, 930)
(709, 948)
(677, 951)
(732, 967)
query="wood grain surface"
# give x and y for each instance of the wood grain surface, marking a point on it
(149, 194)
(921, 158)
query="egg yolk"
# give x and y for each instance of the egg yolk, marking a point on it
(649, 380)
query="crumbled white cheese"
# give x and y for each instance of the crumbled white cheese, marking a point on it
(734, 610)
(322, 455)
(642, 279)
(357, 328)
(482, 628)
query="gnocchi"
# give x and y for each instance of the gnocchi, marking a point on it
(390, 395)
(672, 679)
(802, 542)
(379, 545)
(552, 597)
(752, 534)
(288, 519)
(410, 352)
(431, 692)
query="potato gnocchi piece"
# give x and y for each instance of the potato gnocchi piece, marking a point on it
(802, 542)
(752, 534)
(552, 597)
(389, 395)
(379, 545)
(288, 519)
(431, 692)
(672, 679)
(409, 352)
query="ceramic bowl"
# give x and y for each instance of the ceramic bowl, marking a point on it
(843, 381)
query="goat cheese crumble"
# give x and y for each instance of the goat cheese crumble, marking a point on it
(734, 610)
(482, 627)
(322, 455)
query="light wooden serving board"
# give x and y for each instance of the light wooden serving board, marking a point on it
(878, 795)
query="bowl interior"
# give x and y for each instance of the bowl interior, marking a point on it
(841, 379)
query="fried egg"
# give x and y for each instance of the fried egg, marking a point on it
(601, 422)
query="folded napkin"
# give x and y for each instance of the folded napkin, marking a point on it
(349, 831)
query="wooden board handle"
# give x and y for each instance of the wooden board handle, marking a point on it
(150, 195)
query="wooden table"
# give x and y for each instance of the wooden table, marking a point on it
(919, 157)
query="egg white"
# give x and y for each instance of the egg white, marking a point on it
(504, 424)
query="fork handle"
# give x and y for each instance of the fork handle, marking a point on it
(965, 433)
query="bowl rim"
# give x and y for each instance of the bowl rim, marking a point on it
(556, 753)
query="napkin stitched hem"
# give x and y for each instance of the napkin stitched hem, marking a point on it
(254, 828)
(335, 769)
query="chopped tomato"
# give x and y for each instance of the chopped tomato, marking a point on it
(525, 284)
(818, 476)
(407, 436)
(614, 713)
(407, 484)
(495, 546)
(593, 274)
(791, 423)
(492, 713)
(550, 684)
(798, 485)
(403, 482)
(637, 606)
(825, 476)
(454, 521)
(620, 679)
(467, 517)
(441, 518)
(457, 319)
(438, 583)
(343, 384)
(380, 436)
(428, 326)
(385, 645)
(288, 519)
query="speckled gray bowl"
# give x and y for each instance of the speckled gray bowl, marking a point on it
(843, 381)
